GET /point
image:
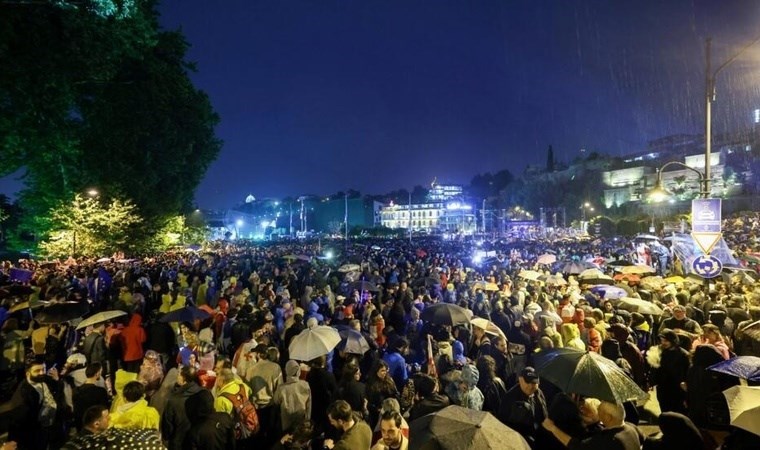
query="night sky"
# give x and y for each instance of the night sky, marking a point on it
(321, 96)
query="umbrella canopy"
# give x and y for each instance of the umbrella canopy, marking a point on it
(314, 342)
(61, 312)
(629, 277)
(608, 292)
(745, 367)
(445, 314)
(487, 326)
(653, 283)
(352, 342)
(595, 276)
(185, 314)
(15, 290)
(619, 263)
(121, 439)
(486, 286)
(426, 281)
(638, 305)
(529, 274)
(638, 269)
(744, 407)
(675, 279)
(34, 304)
(547, 258)
(103, 316)
(363, 286)
(555, 280)
(459, 428)
(576, 267)
(345, 268)
(587, 373)
(751, 330)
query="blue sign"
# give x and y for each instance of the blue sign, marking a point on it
(705, 222)
(705, 215)
(707, 266)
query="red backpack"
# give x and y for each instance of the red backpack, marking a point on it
(246, 418)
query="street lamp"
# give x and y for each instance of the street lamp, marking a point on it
(659, 193)
(709, 99)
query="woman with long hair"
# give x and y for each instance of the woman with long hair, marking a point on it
(380, 385)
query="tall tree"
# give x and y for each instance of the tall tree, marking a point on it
(95, 94)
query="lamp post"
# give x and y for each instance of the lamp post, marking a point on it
(585, 206)
(92, 193)
(659, 193)
(709, 99)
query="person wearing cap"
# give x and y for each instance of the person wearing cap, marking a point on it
(293, 398)
(524, 406)
(670, 375)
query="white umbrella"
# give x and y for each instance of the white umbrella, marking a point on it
(487, 326)
(555, 280)
(547, 258)
(100, 317)
(345, 268)
(314, 342)
(744, 407)
(529, 275)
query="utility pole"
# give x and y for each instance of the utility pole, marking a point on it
(410, 217)
(345, 216)
(483, 216)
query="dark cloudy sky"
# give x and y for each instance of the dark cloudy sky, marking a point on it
(375, 95)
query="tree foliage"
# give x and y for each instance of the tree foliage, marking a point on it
(85, 226)
(95, 94)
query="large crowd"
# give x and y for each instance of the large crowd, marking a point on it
(191, 349)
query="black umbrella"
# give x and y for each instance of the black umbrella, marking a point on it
(587, 373)
(426, 281)
(121, 439)
(61, 312)
(456, 427)
(15, 290)
(363, 286)
(445, 314)
(186, 314)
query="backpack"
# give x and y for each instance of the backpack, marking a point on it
(246, 418)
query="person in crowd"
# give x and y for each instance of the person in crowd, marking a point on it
(89, 394)
(208, 428)
(36, 422)
(135, 413)
(323, 388)
(469, 394)
(394, 357)
(265, 377)
(428, 400)
(380, 386)
(493, 388)
(352, 390)
(524, 406)
(174, 421)
(392, 436)
(670, 373)
(95, 420)
(132, 338)
(390, 404)
(676, 431)
(293, 398)
(300, 439)
(355, 433)
(616, 435)
(94, 347)
(679, 321)
(711, 335)
(151, 373)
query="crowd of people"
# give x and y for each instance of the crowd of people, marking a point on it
(224, 377)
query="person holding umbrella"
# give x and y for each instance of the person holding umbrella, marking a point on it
(670, 372)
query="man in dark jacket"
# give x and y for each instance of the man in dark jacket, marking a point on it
(616, 435)
(89, 394)
(670, 377)
(94, 347)
(429, 400)
(208, 430)
(524, 406)
(35, 421)
(174, 421)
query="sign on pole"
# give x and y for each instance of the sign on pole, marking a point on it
(705, 222)
(707, 266)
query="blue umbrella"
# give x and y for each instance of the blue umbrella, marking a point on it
(353, 342)
(186, 314)
(609, 292)
(746, 367)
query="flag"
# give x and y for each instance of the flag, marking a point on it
(430, 361)
(104, 280)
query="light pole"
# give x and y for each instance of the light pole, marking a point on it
(659, 193)
(585, 206)
(709, 99)
(92, 193)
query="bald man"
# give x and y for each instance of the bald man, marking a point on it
(615, 435)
